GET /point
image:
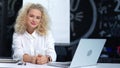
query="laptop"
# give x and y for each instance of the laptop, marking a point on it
(86, 54)
(6, 57)
(8, 60)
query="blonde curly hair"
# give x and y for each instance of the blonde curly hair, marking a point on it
(20, 24)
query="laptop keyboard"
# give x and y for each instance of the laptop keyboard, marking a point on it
(8, 61)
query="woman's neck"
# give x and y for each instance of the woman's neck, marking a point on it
(30, 31)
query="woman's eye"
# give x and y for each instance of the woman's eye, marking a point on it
(31, 16)
(38, 17)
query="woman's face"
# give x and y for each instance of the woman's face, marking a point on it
(33, 18)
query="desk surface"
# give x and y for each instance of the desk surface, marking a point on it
(29, 65)
(108, 65)
(104, 65)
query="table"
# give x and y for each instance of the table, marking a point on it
(29, 65)
(108, 65)
(104, 65)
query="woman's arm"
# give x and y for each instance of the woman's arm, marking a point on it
(17, 47)
(51, 47)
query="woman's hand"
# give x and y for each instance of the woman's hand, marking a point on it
(30, 59)
(41, 59)
(33, 59)
(26, 58)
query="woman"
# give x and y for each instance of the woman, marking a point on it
(32, 39)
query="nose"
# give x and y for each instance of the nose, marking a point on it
(34, 19)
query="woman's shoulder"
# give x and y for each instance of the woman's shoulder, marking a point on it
(17, 34)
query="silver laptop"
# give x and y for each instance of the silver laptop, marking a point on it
(7, 60)
(87, 54)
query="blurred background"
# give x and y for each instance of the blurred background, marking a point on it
(88, 19)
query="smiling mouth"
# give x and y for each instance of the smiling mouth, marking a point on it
(33, 23)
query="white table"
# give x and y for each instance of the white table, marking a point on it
(104, 65)
(108, 65)
(29, 65)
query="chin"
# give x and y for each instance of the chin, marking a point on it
(33, 27)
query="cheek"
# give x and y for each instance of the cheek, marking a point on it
(38, 22)
(28, 19)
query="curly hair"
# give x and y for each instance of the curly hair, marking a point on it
(20, 24)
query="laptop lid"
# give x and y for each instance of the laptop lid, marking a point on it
(87, 52)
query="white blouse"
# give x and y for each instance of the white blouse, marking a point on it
(33, 44)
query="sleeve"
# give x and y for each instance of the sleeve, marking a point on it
(51, 46)
(17, 47)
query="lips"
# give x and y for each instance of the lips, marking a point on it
(33, 23)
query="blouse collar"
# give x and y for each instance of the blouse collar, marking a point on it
(31, 36)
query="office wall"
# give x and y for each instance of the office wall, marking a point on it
(96, 19)
(8, 13)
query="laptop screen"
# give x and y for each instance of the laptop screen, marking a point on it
(87, 52)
